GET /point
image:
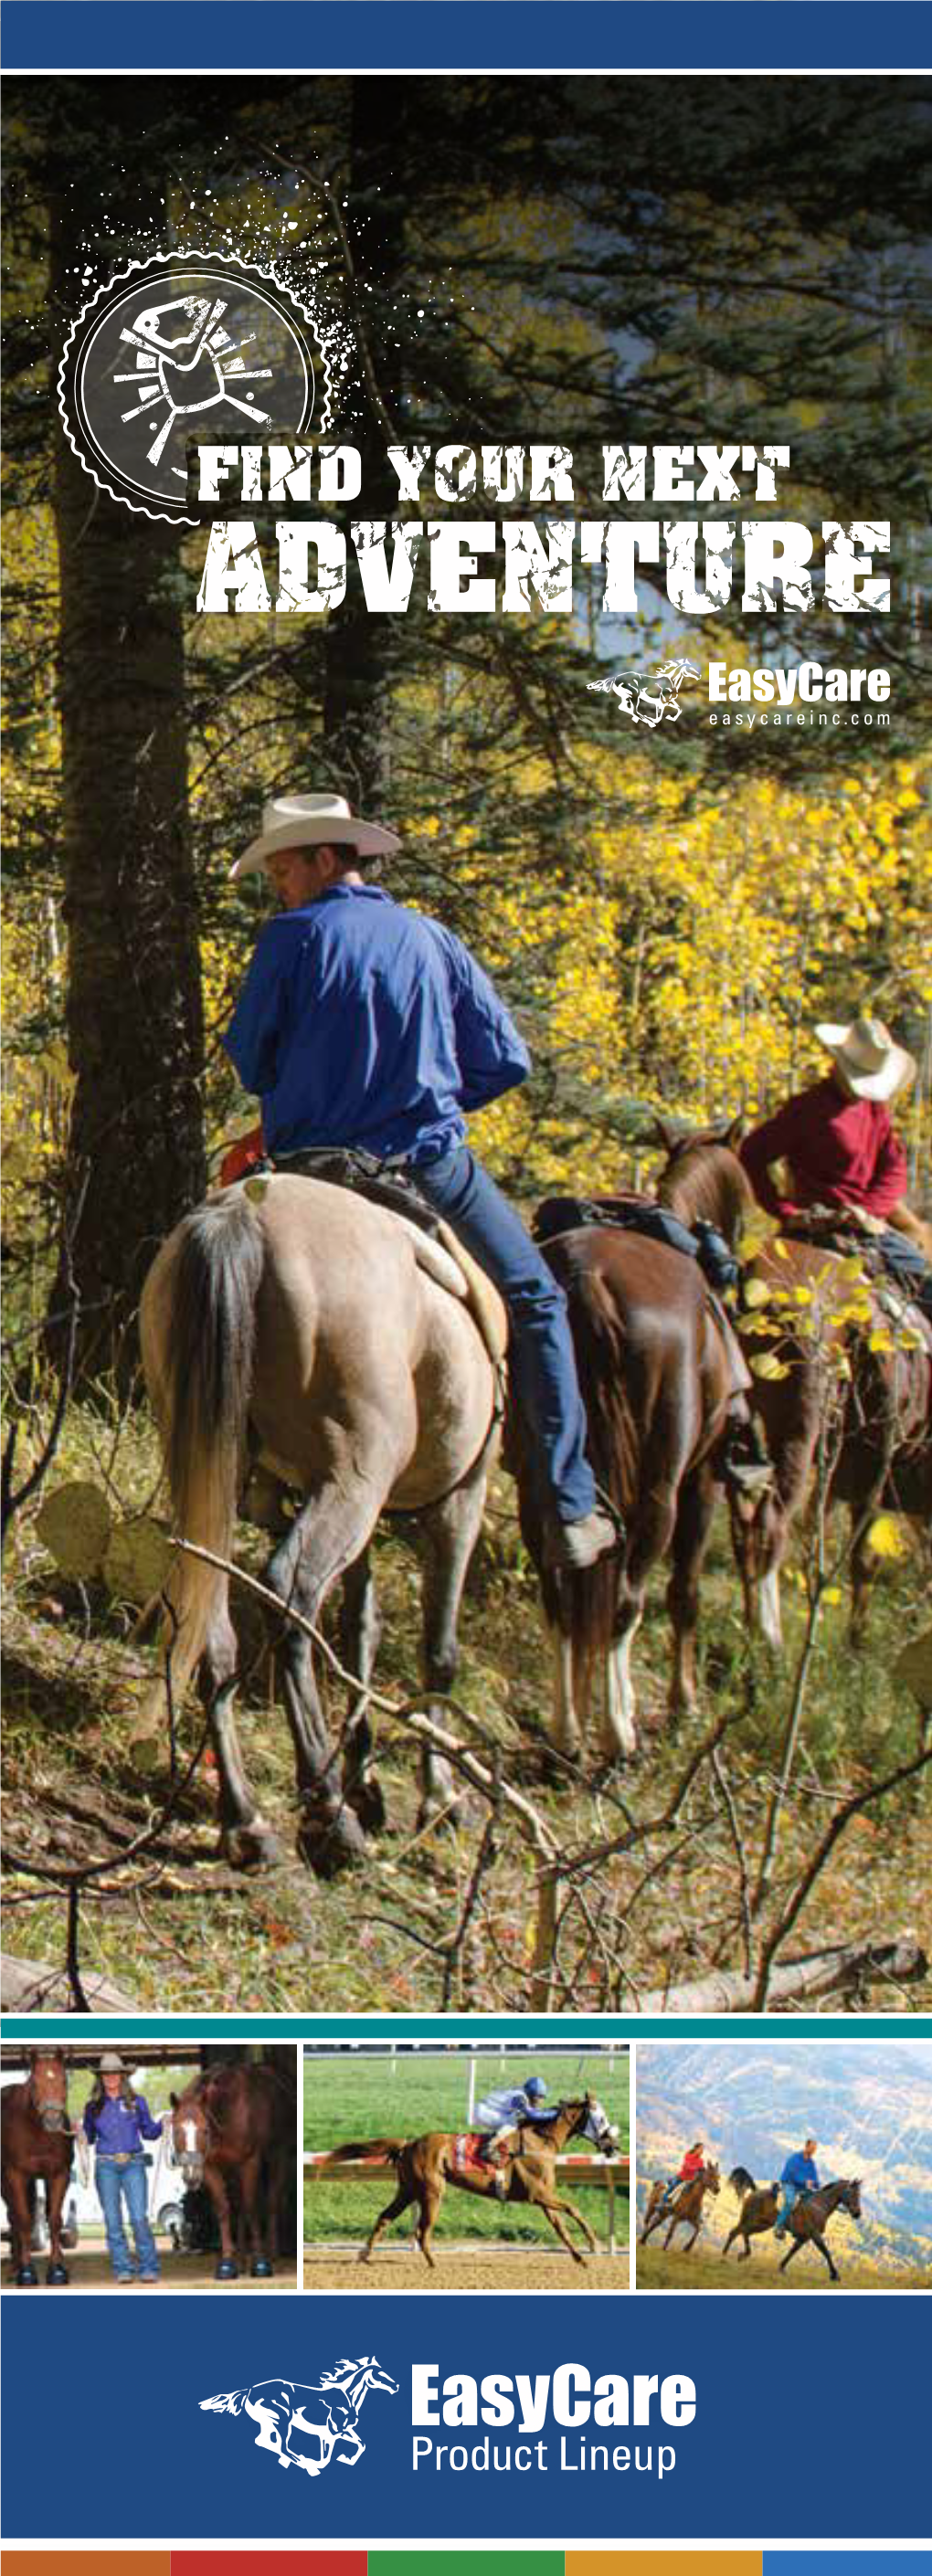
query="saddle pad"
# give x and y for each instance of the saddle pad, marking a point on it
(466, 2152)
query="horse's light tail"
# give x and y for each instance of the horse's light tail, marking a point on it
(741, 2181)
(197, 1325)
(231, 2404)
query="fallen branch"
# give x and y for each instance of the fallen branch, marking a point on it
(31, 1985)
(823, 1972)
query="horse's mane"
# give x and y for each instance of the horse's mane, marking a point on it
(704, 1178)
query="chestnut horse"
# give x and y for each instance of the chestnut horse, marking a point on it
(36, 2147)
(426, 2165)
(233, 2131)
(297, 1321)
(686, 2210)
(884, 1455)
(808, 2217)
(656, 1382)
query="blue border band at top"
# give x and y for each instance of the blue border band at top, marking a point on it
(663, 36)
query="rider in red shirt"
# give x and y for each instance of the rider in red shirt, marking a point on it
(839, 1151)
(693, 2163)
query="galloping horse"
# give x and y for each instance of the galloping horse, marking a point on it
(233, 2129)
(885, 1450)
(808, 2217)
(35, 2145)
(656, 1382)
(426, 2165)
(687, 2211)
(296, 1318)
(307, 2424)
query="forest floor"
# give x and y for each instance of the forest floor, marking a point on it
(183, 1932)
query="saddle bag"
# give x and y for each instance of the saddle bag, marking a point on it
(700, 1242)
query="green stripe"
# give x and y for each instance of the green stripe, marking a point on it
(465, 2562)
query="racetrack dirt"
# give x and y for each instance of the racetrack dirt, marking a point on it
(462, 2267)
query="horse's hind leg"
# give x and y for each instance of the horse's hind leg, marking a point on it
(55, 2190)
(245, 1838)
(402, 2201)
(690, 1541)
(360, 1632)
(451, 1529)
(327, 1537)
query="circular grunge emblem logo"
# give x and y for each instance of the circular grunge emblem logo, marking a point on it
(179, 349)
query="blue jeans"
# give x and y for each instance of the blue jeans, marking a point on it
(907, 1264)
(543, 1364)
(114, 2183)
(790, 2192)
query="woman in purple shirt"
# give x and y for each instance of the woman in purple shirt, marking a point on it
(116, 2120)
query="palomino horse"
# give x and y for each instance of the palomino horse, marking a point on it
(426, 2165)
(233, 2131)
(687, 2209)
(36, 2147)
(296, 1318)
(656, 1382)
(808, 2217)
(884, 1454)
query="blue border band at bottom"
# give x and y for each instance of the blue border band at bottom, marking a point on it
(445, 35)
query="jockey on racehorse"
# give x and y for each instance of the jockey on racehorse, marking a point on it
(369, 1028)
(503, 2112)
(843, 1155)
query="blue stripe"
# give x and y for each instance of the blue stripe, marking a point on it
(518, 35)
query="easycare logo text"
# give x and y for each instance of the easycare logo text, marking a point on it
(794, 691)
(566, 2398)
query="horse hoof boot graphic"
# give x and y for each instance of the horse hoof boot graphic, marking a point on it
(261, 2269)
(27, 2277)
(227, 2270)
(56, 2276)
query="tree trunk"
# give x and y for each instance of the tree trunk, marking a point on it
(135, 1029)
(825, 1972)
(359, 648)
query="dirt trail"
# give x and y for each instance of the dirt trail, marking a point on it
(462, 2267)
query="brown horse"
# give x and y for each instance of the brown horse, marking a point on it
(657, 1382)
(884, 1453)
(36, 2147)
(808, 2217)
(687, 2209)
(426, 2165)
(233, 2132)
(297, 1321)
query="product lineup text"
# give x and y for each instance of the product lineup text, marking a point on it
(476, 563)
(564, 2419)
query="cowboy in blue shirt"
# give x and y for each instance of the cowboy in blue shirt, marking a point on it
(116, 2120)
(365, 1025)
(799, 2176)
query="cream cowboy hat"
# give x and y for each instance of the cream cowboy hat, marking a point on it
(302, 822)
(111, 2064)
(874, 1067)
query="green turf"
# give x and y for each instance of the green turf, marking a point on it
(360, 2097)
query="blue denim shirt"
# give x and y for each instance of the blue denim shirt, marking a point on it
(363, 1023)
(117, 2131)
(799, 2169)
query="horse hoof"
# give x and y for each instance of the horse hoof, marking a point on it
(56, 2275)
(27, 2277)
(261, 2269)
(226, 2269)
(251, 1847)
(331, 1843)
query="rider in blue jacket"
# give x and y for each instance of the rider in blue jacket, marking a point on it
(799, 2176)
(367, 1026)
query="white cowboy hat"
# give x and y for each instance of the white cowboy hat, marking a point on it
(303, 822)
(111, 2064)
(874, 1067)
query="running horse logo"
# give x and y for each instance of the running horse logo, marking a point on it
(307, 2424)
(646, 704)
